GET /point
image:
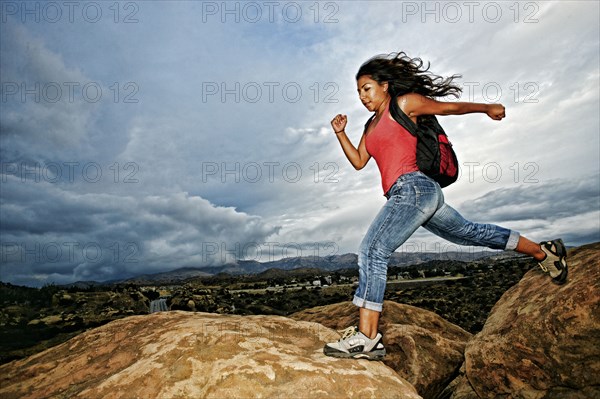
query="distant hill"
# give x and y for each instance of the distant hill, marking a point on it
(326, 263)
(279, 273)
(174, 276)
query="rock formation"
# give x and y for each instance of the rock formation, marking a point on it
(199, 355)
(422, 347)
(540, 340)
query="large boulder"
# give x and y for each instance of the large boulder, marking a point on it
(422, 347)
(198, 355)
(540, 340)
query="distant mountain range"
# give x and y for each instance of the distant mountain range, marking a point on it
(328, 263)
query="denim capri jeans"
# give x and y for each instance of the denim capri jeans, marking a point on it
(416, 200)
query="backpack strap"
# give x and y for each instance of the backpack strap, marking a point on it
(403, 119)
(368, 123)
(426, 122)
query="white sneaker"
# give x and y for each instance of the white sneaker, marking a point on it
(555, 262)
(356, 345)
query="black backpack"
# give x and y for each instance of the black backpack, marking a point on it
(435, 156)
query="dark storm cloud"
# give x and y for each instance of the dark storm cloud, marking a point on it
(53, 234)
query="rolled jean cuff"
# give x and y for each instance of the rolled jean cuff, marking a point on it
(513, 240)
(363, 303)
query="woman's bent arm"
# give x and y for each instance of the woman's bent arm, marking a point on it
(415, 104)
(357, 157)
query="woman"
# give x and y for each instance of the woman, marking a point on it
(413, 198)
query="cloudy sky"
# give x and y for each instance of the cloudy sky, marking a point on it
(138, 137)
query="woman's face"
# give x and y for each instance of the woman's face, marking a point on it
(371, 93)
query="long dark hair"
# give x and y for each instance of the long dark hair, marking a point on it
(408, 75)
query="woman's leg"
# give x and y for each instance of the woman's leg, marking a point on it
(528, 247)
(449, 224)
(412, 201)
(394, 224)
(368, 322)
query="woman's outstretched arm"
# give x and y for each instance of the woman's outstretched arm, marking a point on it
(414, 105)
(358, 157)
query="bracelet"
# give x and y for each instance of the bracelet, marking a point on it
(339, 131)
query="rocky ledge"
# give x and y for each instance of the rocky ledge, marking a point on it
(199, 355)
(540, 340)
(422, 347)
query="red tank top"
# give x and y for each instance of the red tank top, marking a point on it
(393, 148)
